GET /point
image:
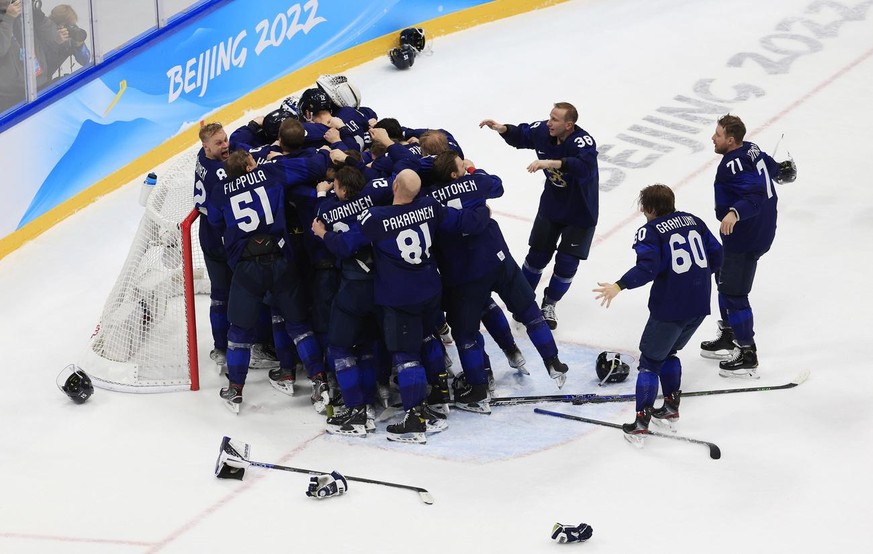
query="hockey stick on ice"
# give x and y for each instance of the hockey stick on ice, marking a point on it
(714, 451)
(601, 399)
(232, 463)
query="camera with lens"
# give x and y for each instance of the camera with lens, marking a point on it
(77, 34)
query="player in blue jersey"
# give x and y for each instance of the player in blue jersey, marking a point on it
(678, 254)
(353, 316)
(745, 204)
(407, 285)
(208, 173)
(250, 206)
(474, 266)
(568, 208)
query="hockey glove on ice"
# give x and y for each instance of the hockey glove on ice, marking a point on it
(323, 486)
(571, 533)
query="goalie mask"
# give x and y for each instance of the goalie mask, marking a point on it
(341, 92)
(403, 56)
(611, 368)
(413, 36)
(75, 383)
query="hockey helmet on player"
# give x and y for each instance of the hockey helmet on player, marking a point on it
(403, 56)
(312, 101)
(272, 122)
(610, 368)
(340, 91)
(75, 383)
(413, 36)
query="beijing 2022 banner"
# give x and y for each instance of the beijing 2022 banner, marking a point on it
(172, 82)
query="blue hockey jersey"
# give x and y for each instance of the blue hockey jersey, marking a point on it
(403, 237)
(467, 258)
(744, 182)
(571, 194)
(679, 253)
(254, 203)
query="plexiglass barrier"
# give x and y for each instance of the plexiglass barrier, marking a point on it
(44, 42)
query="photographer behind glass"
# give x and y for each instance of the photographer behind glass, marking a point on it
(70, 38)
(12, 53)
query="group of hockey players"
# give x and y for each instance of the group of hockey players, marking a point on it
(357, 248)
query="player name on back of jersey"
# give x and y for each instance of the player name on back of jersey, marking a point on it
(352, 207)
(409, 218)
(675, 223)
(251, 178)
(454, 190)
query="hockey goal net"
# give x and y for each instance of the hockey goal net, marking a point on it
(146, 339)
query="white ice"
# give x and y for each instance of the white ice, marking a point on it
(133, 473)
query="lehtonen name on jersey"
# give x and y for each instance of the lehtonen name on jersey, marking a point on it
(675, 223)
(409, 218)
(454, 190)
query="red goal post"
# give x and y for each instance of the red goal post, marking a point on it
(146, 338)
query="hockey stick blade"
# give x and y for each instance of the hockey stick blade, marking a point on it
(602, 399)
(714, 450)
(227, 448)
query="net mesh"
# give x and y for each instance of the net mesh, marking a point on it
(141, 341)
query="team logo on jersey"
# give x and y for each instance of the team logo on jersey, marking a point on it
(556, 177)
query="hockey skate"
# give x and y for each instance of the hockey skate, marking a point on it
(352, 422)
(320, 396)
(219, 356)
(283, 379)
(516, 359)
(635, 431)
(445, 333)
(370, 424)
(434, 420)
(263, 357)
(667, 416)
(438, 398)
(384, 394)
(557, 370)
(722, 348)
(743, 364)
(411, 429)
(548, 309)
(232, 396)
(471, 398)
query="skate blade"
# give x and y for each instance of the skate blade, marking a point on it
(285, 387)
(560, 379)
(436, 426)
(370, 425)
(232, 406)
(263, 364)
(354, 431)
(412, 438)
(440, 408)
(475, 407)
(521, 370)
(749, 374)
(717, 355)
(637, 441)
(666, 424)
(321, 404)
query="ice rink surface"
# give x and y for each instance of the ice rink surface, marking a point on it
(134, 473)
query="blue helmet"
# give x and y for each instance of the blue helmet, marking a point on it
(413, 36)
(402, 56)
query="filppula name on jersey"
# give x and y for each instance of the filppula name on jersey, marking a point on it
(352, 207)
(409, 218)
(675, 223)
(251, 178)
(454, 190)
